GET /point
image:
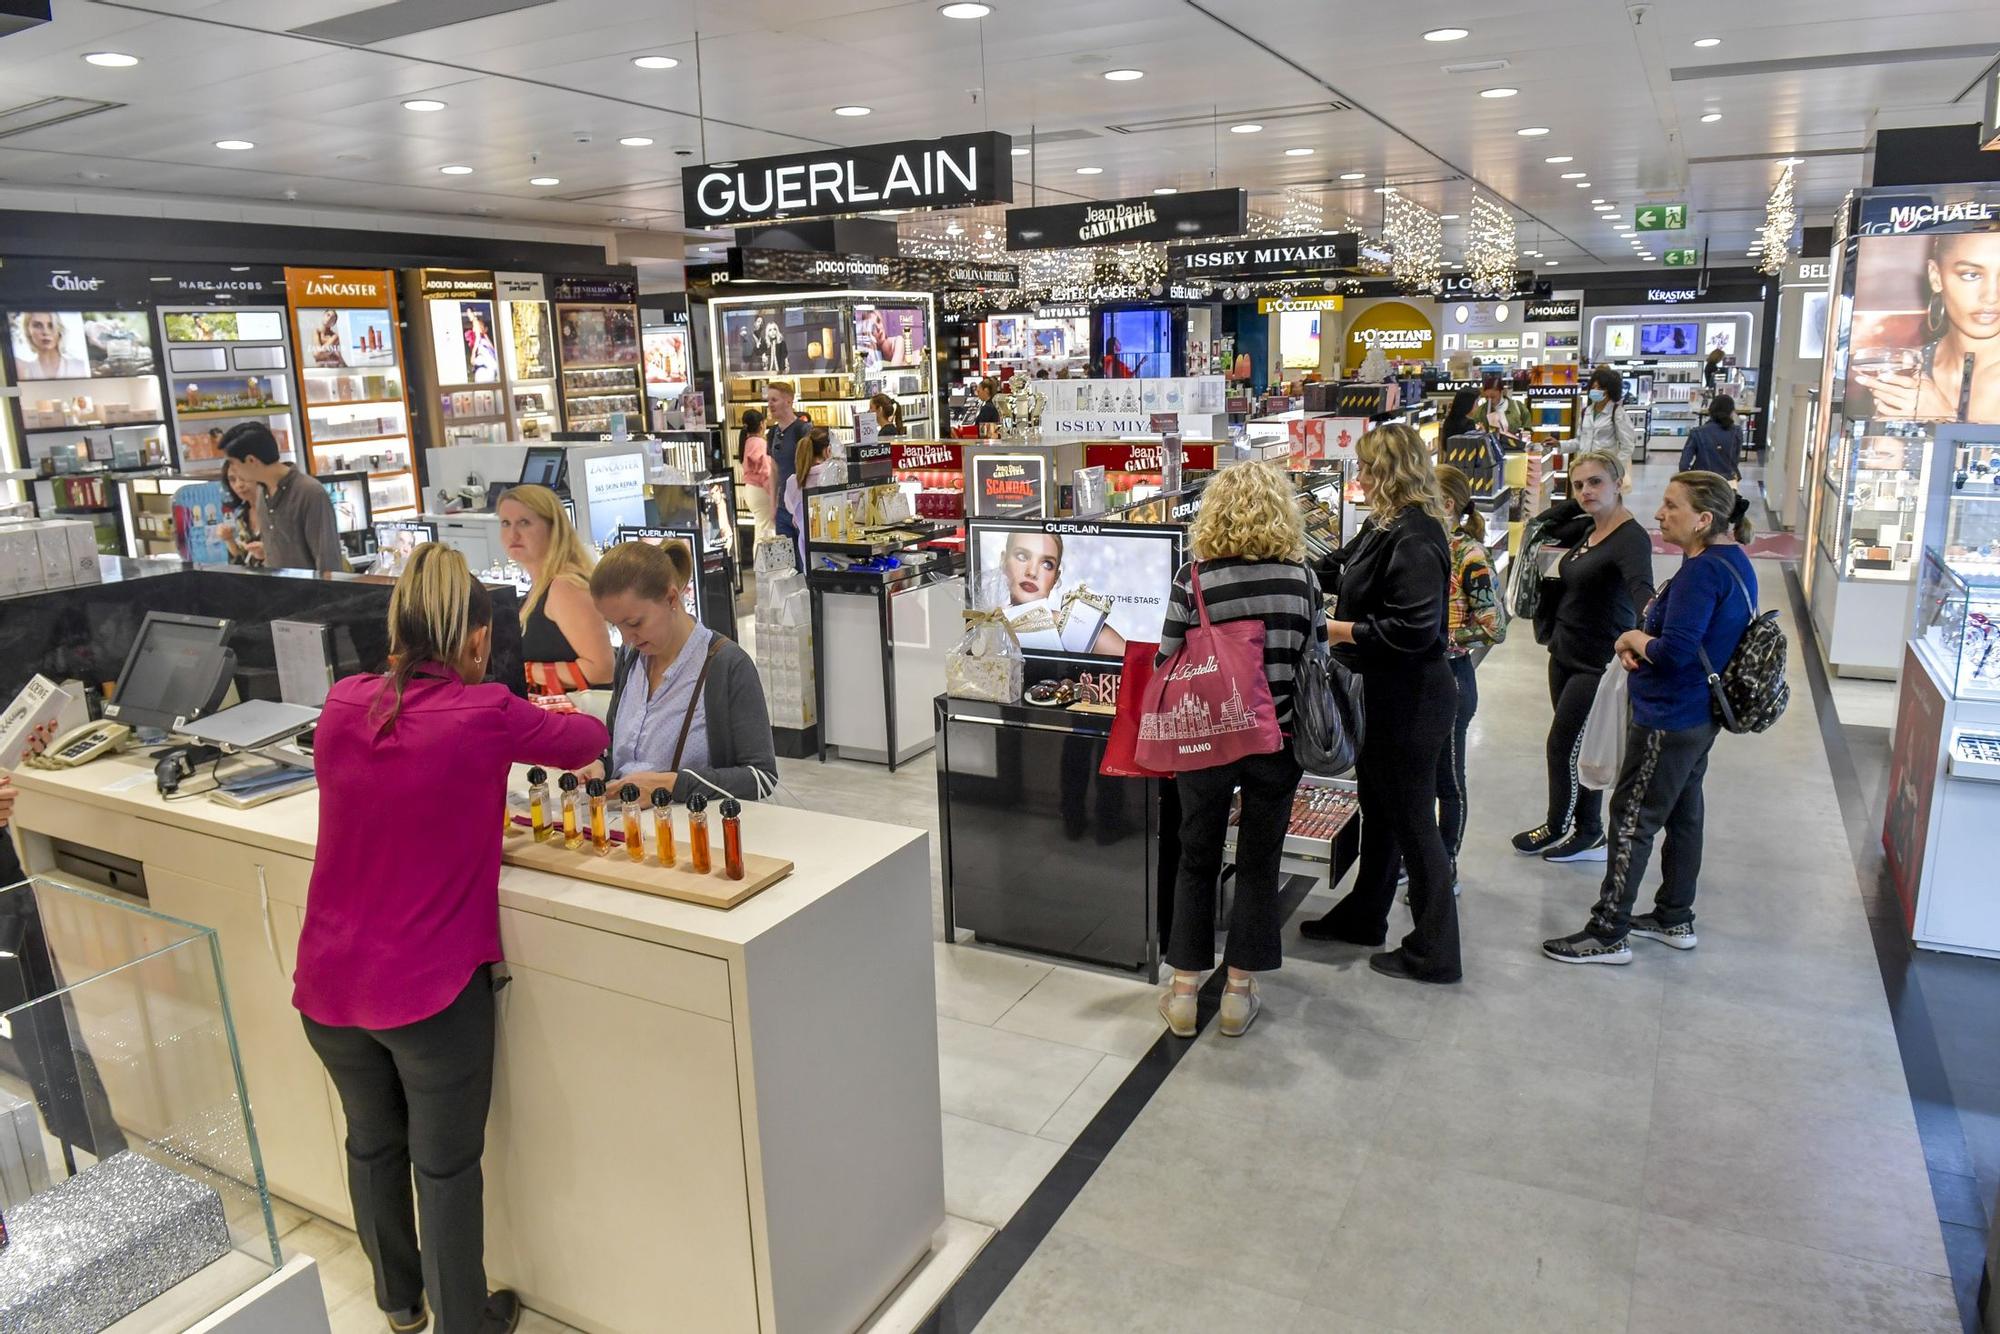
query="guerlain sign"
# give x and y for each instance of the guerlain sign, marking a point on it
(915, 173)
(1121, 221)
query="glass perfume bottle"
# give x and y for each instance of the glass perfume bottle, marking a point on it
(572, 830)
(732, 838)
(698, 833)
(538, 804)
(600, 825)
(635, 838)
(663, 826)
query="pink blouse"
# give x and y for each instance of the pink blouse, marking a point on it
(404, 902)
(756, 462)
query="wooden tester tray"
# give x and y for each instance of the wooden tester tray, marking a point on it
(714, 890)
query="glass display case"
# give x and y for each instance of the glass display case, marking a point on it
(1875, 480)
(1958, 623)
(130, 1179)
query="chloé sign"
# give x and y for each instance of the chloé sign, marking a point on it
(917, 173)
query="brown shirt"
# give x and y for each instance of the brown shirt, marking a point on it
(299, 531)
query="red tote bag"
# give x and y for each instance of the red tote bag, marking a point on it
(1209, 704)
(1132, 682)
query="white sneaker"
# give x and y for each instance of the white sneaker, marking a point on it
(1239, 1010)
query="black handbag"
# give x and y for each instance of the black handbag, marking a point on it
(1326, 715)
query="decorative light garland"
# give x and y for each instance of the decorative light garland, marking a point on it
(1489, 248)
(1416, 241)
(1781, 215)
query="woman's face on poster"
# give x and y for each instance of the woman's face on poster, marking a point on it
(1965, 275)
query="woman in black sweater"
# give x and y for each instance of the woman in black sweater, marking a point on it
(1391, 627)
(1458, 418)
(1600, 586)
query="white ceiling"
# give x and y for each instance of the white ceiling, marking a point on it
(549, 89)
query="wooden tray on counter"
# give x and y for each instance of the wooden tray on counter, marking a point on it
(714, 890)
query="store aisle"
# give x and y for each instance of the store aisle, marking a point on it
(1721, 1139)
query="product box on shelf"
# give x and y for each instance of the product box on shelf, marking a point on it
(1359, 400)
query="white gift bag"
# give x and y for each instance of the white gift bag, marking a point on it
(1603, 750)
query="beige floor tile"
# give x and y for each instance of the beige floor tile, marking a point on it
(978, 985)
(1081, 1106)
(1007, 1079)
(989, 1172)
(1117, 1015)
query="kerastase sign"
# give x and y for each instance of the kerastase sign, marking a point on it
(1335, 254)
(914, 173)
(1120, 221)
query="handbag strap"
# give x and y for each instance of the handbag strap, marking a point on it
(1194, 583)
(694, 702)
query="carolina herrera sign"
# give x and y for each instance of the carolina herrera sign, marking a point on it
(1120, 221)
(915, 173)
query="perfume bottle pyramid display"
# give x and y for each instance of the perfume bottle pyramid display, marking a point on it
(680, 864)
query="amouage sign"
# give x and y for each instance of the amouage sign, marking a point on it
(1291, 256)
(916, 173)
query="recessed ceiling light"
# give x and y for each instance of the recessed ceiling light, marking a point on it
(1600, 201)
(852, 111)
(1614, 217)
(423, 104)
(1552, 263)
(545, 180)
(1622, 231)
(1447, 217)
(655, 62)
(1090, 171)
(1124, 75)
(1527, 252)
(1165, 190)
(1447, 34)
(1583, 185)
(1385, 189)
(965, 9)
(1707, 41)
(234, 145)
(1298, 152)
(1247, 127)
(1353, 175)
(1499, 92)
(636, 141)
(1023, 152)
(1572, 176)
(1532, 131)
(112, 59)
(456, 169)
(1711, 117)
(1558, 159)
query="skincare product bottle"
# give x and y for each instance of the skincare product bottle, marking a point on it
(600, 825)
(663, 826)
(732, 838)
(635, 838)
(538, 803)
(698, 832)
(572, 829)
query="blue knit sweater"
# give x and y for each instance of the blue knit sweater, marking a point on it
(1702, 607)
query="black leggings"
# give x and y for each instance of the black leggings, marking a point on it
(1572, 806)
(1451, 793)
(1268, 783)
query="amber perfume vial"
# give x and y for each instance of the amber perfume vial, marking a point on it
(635, 838)
(600, 823)
(732, 838)
(538, 804)
(663, 826)
(572, 826)
(698, 833)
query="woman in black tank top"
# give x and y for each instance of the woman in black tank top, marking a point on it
(564, 643)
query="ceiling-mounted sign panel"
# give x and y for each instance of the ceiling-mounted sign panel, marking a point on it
(953, 172)
(1553, 311)
(1335, 254)
(1121, 221)
(811, 268)
(1660, 218)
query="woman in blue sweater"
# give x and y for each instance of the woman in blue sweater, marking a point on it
(1717, 444)
(1704, 609)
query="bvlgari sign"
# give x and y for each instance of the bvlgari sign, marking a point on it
(1120, 221)
(915, 173)
(1283, 257)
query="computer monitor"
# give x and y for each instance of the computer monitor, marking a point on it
(349, 493)
(545, 466)
(178, 670)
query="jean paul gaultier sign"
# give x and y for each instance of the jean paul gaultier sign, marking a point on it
(915, 173)
(1121, 221)
(1335, 253)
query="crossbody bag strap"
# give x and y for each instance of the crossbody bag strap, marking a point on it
(694, 702)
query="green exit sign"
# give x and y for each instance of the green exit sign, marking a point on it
(1660, 218)
(1682, 259)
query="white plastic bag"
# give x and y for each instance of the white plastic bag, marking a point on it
(987, 664)
(1603, 749)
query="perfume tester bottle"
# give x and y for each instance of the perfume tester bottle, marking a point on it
(572, 828)
(600, 825)
(538, 803)
(635, 839)
(698, 832)
(732, 838)
(663, 826)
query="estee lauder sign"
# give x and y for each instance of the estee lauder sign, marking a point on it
(339, 287)
(1291, 256)
(915, 173)
(1118, 221)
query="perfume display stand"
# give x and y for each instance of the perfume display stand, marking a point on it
(615, 868)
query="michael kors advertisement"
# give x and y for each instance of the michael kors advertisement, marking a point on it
(1120, 221)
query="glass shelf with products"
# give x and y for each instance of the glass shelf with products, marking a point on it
(1871, 513)
(1958, 599)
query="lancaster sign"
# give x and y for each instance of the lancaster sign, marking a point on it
(1332, 255)
(915, 173)
(1119, 221)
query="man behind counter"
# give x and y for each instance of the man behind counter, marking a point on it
(298, 531)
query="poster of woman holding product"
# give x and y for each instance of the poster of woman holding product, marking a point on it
(1926, 328)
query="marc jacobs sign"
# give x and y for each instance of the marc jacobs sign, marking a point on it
(916, 173)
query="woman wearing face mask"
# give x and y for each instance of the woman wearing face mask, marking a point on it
(1962, 325)
(1703, 610)
(1599, 587)
(1602, 424)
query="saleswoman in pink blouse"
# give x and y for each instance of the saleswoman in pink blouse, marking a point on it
(403, 926)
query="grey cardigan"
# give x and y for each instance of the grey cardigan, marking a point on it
(740, 748)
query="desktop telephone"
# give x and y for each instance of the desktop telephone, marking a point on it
(83, 745)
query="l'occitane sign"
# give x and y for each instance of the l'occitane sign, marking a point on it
(1403, 332)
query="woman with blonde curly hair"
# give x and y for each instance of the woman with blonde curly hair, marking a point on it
(1249, 547)
(1394, 584)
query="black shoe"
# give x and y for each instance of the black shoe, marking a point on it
(1647, 924)
(1530, 842)
(1578, 847)
(1394, 963)
(1586, 948)
(502, 1313)
(1333, 927)
(409, 1320)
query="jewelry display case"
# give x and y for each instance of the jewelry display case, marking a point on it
(1871, 520)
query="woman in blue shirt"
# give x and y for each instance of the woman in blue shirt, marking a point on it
(1717, 444)
(1704, 609)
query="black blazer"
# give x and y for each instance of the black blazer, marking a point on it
(1394, 584)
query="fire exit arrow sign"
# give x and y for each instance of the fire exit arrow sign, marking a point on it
(1682, 259)
(1660, 217)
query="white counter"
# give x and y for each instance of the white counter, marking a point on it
(702, 1120)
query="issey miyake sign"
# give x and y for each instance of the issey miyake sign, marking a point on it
(916, 173)
(1280, 257)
